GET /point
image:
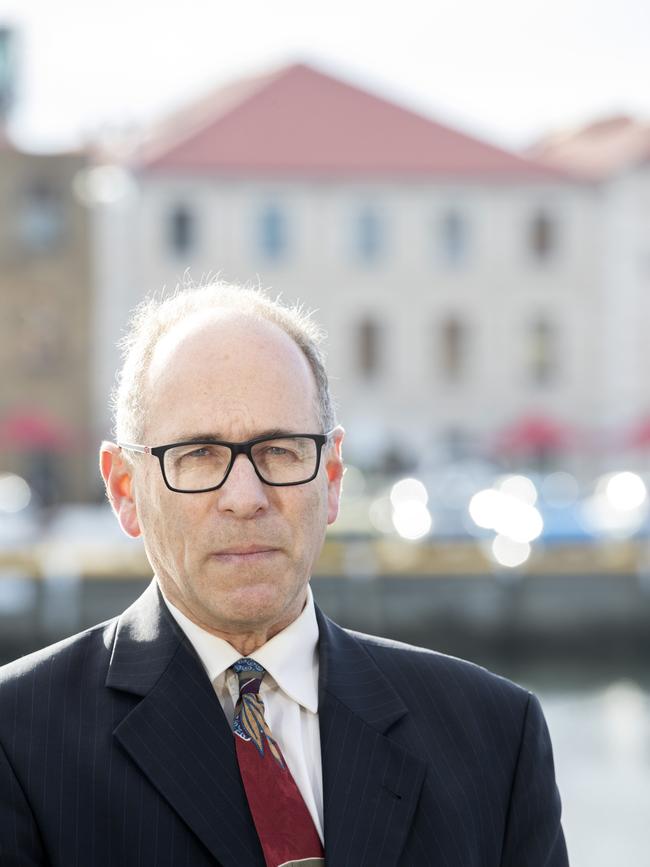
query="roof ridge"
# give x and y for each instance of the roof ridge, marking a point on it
(266, 124)
(232, 93)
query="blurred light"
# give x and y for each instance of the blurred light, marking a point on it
(625, 491)
(520, 487)
(408, 490)
(511, 517)
(411, 519)
(510, 553)
(560, 489)
(600, 516)
(103, 185)
(626, 712)
(15, 493)
(483, 507)
(380, 515)
(518, 521)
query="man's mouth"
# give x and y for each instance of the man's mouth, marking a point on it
(245, 553)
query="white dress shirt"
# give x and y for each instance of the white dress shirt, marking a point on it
(289, 691)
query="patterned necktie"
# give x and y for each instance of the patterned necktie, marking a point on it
(285, 828)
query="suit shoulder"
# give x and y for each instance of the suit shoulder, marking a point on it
(61, 657)
(398, 658)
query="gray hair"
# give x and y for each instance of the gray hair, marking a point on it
(155, 317)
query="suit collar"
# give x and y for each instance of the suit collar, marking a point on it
(371, 784)
(146, 639)
(177, 734)
(348, 673)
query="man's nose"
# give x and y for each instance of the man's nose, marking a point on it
(243, 493)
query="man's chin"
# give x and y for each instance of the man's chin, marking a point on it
(256, 605)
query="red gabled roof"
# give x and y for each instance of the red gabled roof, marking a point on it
(597, 150)
(300, 121)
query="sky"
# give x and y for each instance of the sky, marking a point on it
(508, 70)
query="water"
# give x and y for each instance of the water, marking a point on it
(600, 727)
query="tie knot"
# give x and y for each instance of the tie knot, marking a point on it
(250, 674)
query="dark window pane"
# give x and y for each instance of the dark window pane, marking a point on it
(369, 344)
(453, 349)
(273, 232)
(41, 218)
(7, 70)
(182, 230)
(542, 237)
(542, 352)
(370, 238)
(454, 238)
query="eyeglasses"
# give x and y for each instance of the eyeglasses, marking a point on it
(194, 467)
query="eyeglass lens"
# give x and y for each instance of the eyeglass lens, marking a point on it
(195, 466)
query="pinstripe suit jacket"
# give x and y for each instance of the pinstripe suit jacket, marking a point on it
(115, 752)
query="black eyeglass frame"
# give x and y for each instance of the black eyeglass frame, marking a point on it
(241, 448)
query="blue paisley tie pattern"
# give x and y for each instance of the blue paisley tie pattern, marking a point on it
(249, 723)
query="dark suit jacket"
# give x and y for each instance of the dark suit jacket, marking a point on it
(115, 752)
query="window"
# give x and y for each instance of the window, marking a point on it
(369, 235)
(369, 347)
(453, 349)
(454, 238)
(542, 354)
(7, 70)
(181, 230)
(41, 218)
(542, 239)
(273, 232)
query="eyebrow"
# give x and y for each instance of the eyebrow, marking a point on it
(212, 437)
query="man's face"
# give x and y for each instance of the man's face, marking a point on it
(233, 378)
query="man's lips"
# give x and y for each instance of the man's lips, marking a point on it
(242, 553)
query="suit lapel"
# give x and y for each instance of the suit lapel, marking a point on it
(371, 784)
(177, 734)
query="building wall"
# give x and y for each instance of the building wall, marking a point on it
(625, 238)
(408, 288)
(45, 300)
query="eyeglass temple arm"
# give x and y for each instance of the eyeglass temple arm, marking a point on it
(133, 447)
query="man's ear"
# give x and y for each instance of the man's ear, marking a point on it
(117, 473)
(335, 468)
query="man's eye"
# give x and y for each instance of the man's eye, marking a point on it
(281, 453)
(200, 452)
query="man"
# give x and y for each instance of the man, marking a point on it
(223, 719)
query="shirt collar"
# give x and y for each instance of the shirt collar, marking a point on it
(290, 657)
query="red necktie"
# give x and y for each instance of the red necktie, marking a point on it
(283, 823)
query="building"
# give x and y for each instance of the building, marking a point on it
(45, 315)
(461, 285)
(613, 156)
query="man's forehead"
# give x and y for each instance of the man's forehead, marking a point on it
(247, 371)
(216, 333)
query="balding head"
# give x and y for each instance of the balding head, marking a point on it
(230, 373)
(155, 319)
